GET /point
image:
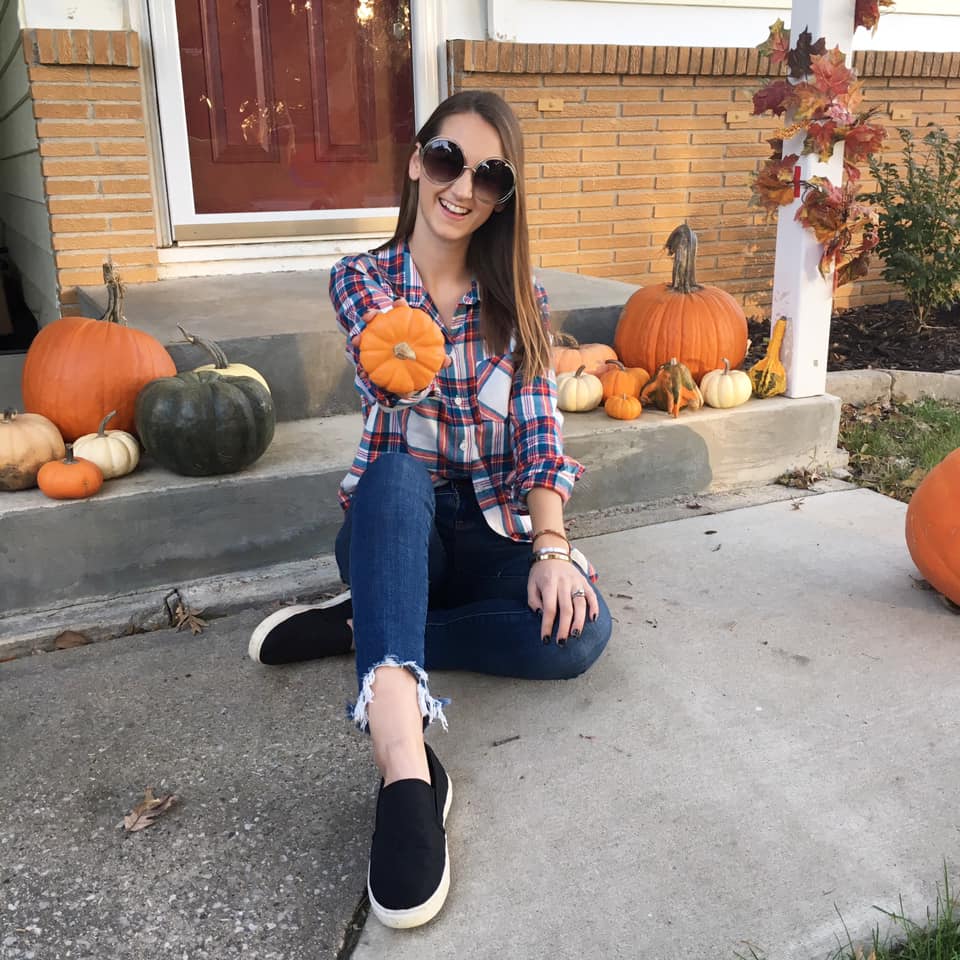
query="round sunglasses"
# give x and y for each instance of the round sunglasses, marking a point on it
(442, 160)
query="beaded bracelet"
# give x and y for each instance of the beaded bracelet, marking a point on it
(553, 533)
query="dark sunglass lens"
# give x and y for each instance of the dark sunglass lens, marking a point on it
(442, 161)
(494, 180)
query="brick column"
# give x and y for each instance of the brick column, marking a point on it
(86, 89)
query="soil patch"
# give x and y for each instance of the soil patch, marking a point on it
(882, 336)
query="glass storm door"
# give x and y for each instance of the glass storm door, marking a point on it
(295, 105)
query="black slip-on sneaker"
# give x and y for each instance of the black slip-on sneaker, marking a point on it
(409, 874)
(304, 632)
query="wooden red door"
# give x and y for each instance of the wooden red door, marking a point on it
(296, 104)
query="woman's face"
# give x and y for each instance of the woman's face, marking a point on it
(453, 211)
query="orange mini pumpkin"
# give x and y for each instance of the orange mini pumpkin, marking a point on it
(620, 379)
(697, 324)
(568, 355)
(72, 478)
(933, 527)
(402, 350)
(623, 407)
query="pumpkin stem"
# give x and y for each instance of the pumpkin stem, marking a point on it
(9, 415)
(403, 351)
(561, 339)
(69, 458)
(580, 370)
(103, 423)
(115, 292)
(682, 246)
(220, 361)
(617, 364)
(726, 366)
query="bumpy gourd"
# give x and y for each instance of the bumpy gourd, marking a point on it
(673, 388)
(768, 375)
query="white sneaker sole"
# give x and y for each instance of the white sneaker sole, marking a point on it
(264, 627)
(426, 911)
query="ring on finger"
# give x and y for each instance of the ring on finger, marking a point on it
(578, 593)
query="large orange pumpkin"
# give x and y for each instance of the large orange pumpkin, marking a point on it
(77, 367)
(699, 325)
(933, 527)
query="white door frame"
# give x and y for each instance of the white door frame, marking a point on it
(185, 225)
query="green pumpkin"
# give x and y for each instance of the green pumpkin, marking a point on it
(203, 424)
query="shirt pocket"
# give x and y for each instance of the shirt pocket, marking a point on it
(494, 384)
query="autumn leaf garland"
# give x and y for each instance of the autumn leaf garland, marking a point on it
(822, 102)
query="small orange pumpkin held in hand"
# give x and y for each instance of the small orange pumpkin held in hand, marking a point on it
(402, 350)
(623, 407)
(620, 379)
(72, 478)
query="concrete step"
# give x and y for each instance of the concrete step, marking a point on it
(155, 530)
(283, 325)
(11, 367)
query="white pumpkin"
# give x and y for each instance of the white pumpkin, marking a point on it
(725, 388)
(579, 392)
(115, 452)
(220, 363)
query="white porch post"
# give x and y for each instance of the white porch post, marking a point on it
(799, 292)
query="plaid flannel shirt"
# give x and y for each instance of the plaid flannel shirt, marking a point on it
(478, 419)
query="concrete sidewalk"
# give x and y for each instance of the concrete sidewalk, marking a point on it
(771, 737)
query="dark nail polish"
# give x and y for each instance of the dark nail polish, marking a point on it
(561, 641)
(539, 611)
(546, 639)
(574, 634)
(593, 619)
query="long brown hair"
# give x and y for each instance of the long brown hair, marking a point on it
(499, 251)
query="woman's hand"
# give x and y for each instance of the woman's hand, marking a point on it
(372, 315)
(563, 596)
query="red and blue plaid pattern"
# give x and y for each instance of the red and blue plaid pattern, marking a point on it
(478, 419)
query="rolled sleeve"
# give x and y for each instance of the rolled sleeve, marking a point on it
(538, 446)
(357, 288)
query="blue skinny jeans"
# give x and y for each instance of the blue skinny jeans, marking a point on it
(434, 588)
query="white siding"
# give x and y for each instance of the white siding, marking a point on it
(24, 222)
(917, 24)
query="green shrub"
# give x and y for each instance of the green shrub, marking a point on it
(919, 233)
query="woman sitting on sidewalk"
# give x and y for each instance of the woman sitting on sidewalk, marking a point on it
(452, 541)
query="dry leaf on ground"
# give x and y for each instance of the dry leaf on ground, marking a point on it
(70, 638)
(185, 616)
(147, 810)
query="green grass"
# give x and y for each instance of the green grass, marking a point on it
(936, 939)
(893, 448)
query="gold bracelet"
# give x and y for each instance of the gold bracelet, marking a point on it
(553, 533)
(549, 555)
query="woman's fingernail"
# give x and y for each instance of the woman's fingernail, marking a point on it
(546, 639)
(594, 617)
(539, 611)
(574, 634)
(561, 641)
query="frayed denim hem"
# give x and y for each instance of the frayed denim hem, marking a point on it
(431, 708)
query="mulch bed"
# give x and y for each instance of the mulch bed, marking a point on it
(882, 336)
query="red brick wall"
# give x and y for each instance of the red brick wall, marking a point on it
(86, 90)
(646, 137)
